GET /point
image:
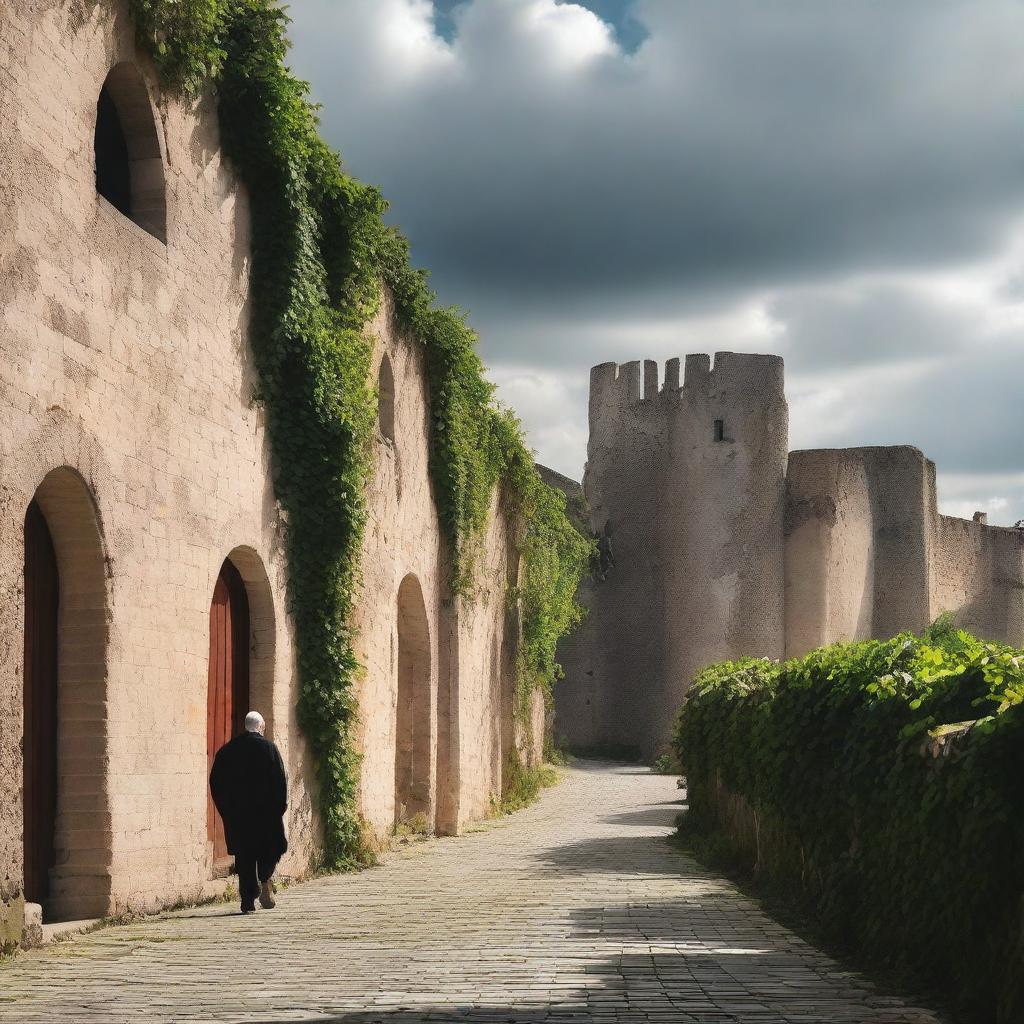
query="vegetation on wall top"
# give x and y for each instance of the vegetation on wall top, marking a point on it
(880, 783)
(321, 252)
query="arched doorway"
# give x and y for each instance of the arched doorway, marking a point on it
(227, 699)
(67, 830)
(414, 732)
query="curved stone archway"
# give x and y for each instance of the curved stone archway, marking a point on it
(414, 726)
(66, 733)
(240, 670)
(262, 632)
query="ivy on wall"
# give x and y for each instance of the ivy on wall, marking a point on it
(880, 784)
(320, 253)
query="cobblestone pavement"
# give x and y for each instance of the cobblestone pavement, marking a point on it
(573, 910)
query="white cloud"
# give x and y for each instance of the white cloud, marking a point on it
(842, 183)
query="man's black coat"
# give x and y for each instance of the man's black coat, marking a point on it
(251, 792)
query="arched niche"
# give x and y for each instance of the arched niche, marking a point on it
(240, 669)
(414, 733)
(386, 399)
(262, 632)
(129, 161)
(67, 831)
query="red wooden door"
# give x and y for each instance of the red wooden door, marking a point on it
(228, 687)
(42, 597)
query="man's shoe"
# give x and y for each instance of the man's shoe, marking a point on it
(248, 906)
(267, 896)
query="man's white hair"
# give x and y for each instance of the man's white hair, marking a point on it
(254, 722)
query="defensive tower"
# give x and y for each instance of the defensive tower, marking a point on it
(686, 485)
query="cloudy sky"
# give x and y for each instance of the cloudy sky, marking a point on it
(837, 181)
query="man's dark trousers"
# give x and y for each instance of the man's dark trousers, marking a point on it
(252, 872)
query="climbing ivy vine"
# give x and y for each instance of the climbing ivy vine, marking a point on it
(320, 254)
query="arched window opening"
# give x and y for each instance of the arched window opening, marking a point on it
(386, 399)
(129, 164)
(66, 842)
(414, 739)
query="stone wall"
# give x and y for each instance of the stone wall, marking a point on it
(484, 687)
(716, 546)
(829, 551)
(857, 544)
(127, 412)
(867, 553)
(473, 639)
(403, 538)
(721, 523)
(619, 645)
(691, 563)
(977, 575)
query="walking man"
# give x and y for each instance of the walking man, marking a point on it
(250, 790)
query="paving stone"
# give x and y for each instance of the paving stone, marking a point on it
(574, 910)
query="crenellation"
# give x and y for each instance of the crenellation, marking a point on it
(697, 372)
(627, 383)
(650, 379)
(671, 376)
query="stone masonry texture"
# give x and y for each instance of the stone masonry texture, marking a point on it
(127, 412)
(575, 910)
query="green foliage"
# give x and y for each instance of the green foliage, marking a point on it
(183, 37)
(555, 555)
(884, 777)
(522, 785)
(320, 254)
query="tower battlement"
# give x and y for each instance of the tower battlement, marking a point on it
(734, 372)
(631, 393)
(621, 384)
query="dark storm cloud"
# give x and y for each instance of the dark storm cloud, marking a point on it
(742, 139)
(825, 329)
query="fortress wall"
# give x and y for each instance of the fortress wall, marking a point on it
(473, 640)
(721, 528)
(829, 550)
(857, 544)
(125, 360)
(866, 552)
(403, 538)
(901, 484)
(751, 551)
(488, 650)
(620, 642)
(582, 696)
(978, 576)
(579, 700)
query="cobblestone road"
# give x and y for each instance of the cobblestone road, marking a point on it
(574, 910)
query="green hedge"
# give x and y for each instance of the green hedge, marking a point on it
(883, 784)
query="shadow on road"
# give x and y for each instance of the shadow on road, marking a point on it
(660, 815)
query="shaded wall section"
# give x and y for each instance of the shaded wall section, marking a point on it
(857, 544)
